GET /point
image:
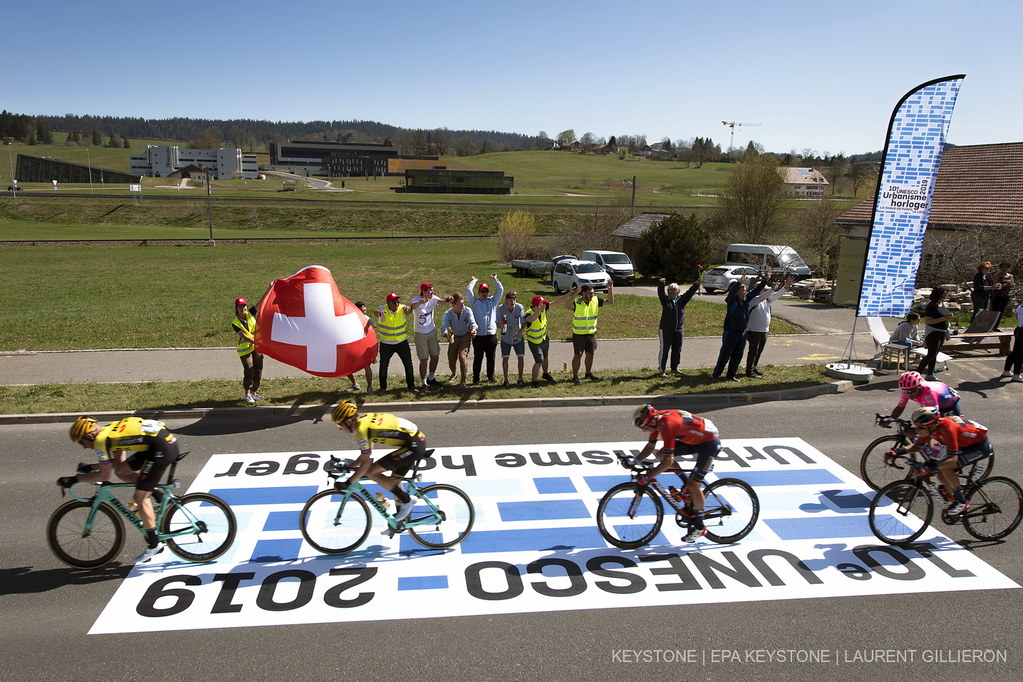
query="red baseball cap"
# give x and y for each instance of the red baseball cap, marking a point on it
(392, 297)
(538, 300)
(484, 286)
(425, 286)
(240, 301)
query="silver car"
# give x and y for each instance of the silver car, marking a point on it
(718, 279)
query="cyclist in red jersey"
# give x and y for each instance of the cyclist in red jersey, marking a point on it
(948, 443)
(685, 435)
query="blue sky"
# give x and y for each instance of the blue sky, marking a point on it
(815, 75)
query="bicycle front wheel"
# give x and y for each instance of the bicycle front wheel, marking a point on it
(74, 545)
(629, 515)
(873, 469)
(732, 509)
(333, 524)
(447, 515)
(996, 506)
(206, 525)
(900, 512)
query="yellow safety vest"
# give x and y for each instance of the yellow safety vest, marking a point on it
(584, 319)
(245, 346)
(392, 326)
(537, 329)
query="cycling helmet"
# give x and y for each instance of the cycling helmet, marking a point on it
(343, 411)
(81, 427)
(910, 380)
(643, 415)
(925, 416)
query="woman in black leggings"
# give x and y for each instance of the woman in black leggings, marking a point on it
(936, 325)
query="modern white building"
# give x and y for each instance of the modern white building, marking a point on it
(161, 161)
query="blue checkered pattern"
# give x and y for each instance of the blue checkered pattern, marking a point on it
(915, 143)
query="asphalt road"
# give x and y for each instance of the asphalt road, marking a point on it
(48, 608)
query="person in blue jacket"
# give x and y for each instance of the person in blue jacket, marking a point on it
(733, 340)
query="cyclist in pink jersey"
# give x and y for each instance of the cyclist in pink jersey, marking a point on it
(928, 394)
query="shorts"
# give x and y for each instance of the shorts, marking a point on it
(540, 350)
(151, 464)
(519, 346)
(459, 345)
(427, 344)
(584, 343)
(402, 459)
(704, 454)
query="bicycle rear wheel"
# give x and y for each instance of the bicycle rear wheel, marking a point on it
(450, 507)
(732, 509)
(210, 524)
(334, 525)
(629, 515)
(68, 540)
(873, 469)
(996, 506)
(900, 512)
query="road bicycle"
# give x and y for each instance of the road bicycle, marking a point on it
(876, 472)
(88, 532)
(901, 511)
(337, 520)
(631, 513)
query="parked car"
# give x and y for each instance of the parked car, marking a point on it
(579, 272)
(615, 263)
(718, 279)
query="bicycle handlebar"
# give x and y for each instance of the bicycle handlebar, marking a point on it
(879, 420)
(631, 462)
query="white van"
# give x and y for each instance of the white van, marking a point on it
(578, 272)
(614, 263)
(766, 257)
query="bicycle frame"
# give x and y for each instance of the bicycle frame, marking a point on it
(682, 508)
(414, 491)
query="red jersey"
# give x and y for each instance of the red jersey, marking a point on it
(691, 430)
(954, 434)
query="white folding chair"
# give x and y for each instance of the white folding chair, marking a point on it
(896, 353)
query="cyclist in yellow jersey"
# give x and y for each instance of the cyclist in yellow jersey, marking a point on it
(137, 451)
(385, 429)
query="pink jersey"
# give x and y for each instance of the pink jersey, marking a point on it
(932, 394)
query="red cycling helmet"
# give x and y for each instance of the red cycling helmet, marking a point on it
(643, 415)
(910, 380)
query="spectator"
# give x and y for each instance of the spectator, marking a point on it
(936, 319)
(733, 339)
(585, 310)
(393, 336)
(907, 332)
(244, 326)
(427, 344)
(535, 326)
(369, 368)
(509, 320)
(760, 323)
(484, 309)
(1014, 361)
(673, 321)
(1005, 282)
(459, 326)
(983, 285)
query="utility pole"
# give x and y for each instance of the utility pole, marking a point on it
(633, 195)
(209, 206)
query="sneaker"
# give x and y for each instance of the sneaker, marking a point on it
(678, 372)
(520, 382)
(575, 380)
(957, 508)
(548, 377)
(694, 534)
(148, 555)
(661, 374)
(1006, 373)
(592, 377)
(931, 377)
(1017, 377)
(256, 396)
(369, 390)
(736, 379)
(758, 372)
(249, 400)
(404, 510)
(505, 384)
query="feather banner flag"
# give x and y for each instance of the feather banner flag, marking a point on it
(305, 322)
(912, 155)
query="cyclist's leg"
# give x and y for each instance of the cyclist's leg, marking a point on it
(973, 454)
(152, 468)
(949, 478)
(705, 453)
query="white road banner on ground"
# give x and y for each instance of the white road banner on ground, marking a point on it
(535, 546)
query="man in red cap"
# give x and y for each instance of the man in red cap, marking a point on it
(484, 309)
(244, 325)
(392, 333)
(534, 327)
(427, 343)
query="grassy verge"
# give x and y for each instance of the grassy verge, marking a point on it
(91, 397)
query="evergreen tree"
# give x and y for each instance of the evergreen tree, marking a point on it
(673, 247)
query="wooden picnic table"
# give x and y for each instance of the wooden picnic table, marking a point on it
(999, 340)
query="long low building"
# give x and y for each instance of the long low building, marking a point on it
(44, 169)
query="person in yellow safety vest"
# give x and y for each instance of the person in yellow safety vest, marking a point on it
(393, 336)
(535, 330)
(585, 309)
(244, 325)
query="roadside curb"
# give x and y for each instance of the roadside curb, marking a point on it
(317, 411)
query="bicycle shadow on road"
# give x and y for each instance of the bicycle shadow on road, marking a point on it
(25, 580)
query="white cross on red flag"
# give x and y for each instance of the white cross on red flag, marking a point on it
(305, 322)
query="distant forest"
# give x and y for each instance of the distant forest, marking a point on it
(249, 134)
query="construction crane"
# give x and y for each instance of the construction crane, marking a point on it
(731, 125)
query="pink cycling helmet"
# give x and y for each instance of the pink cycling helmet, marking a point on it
(910, 380)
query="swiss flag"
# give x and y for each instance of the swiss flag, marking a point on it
(305, 322)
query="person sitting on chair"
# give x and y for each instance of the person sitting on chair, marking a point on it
(907, 333)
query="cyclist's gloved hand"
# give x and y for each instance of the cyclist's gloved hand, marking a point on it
(893, 454)
(67, 481)
(87, 468)
(886, 421)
